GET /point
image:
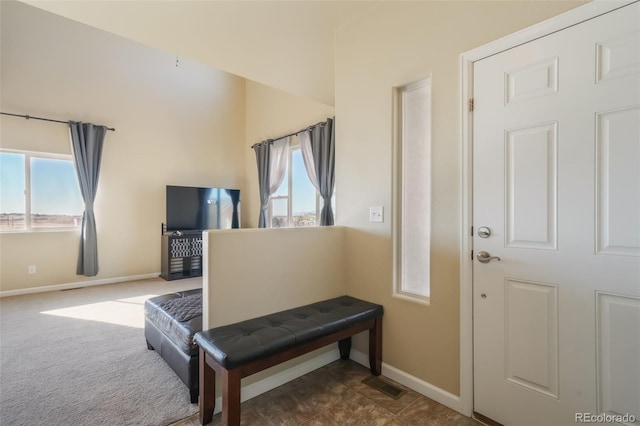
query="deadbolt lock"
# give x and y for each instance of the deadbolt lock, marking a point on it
(484, 232)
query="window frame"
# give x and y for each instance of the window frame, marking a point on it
(28, 155)
(293, 147)
(399, 289)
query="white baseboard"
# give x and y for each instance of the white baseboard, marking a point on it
(77, 284)
(427, 389)
(279, 379)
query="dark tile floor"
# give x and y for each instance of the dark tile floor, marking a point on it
(335, 395)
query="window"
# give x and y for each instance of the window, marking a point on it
(412, 191)
(38, 191)
(296, 202)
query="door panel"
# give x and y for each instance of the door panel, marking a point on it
(618, 387)
(557, 180)
(618, 180)
(531, 170)
(531, 341)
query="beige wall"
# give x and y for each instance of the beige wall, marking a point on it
(392, 44)
(284, 44)
(271, 113)
(174, 125)
(254, 272)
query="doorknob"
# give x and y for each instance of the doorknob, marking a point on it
(484, 257)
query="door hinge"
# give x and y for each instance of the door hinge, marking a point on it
(472, 231)
(470, 104)
(471, 254)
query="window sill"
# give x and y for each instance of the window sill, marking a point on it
(421, 300)
(40, 230)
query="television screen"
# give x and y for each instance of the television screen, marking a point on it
(195, 209)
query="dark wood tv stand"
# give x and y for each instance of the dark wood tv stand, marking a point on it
(181, 255)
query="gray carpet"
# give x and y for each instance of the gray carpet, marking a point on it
(79, 357)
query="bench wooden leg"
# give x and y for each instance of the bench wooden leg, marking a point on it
(231, 397)
(207, 384)
(345, 348)
(375, 347)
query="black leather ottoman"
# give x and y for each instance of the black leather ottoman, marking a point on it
(170, 322)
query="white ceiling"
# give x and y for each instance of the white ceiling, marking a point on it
(285, 44)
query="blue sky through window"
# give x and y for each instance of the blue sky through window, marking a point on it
(303, 192)
(54, 185)
(12, 183)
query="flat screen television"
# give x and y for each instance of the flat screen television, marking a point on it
(195, 209)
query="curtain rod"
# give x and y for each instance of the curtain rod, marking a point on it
(291, 134)
(43, 119)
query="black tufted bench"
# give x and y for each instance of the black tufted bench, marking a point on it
(170, 322)
(239, 350)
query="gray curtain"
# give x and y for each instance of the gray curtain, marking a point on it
(318, 151)
(235, 202)
(271, 157)
(87, 140)
(262, 158)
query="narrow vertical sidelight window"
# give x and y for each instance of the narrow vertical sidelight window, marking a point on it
(412, 191)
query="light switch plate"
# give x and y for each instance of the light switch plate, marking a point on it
(375, 214)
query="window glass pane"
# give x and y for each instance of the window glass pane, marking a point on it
(303, 209)
(12, 187)
(413, 172)
(279, 212)
(55, 195)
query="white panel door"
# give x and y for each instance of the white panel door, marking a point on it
(556, 148)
